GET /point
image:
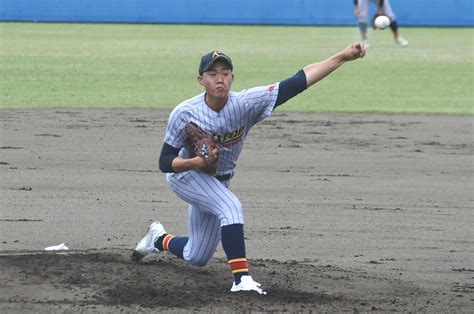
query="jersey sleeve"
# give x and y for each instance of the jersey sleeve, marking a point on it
(261, 101)
(175, 130)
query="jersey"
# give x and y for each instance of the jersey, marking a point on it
(229, 127)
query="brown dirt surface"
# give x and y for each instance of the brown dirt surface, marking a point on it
(344, 213)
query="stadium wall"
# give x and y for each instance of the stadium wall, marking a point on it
(271, 12)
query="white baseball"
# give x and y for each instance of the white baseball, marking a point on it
(382, 22)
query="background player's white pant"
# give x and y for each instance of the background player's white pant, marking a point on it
(363, 6)
(212, 205)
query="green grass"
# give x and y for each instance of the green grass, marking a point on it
(121, 65)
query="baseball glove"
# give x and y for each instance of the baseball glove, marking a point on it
(372, 22)
(200, 143)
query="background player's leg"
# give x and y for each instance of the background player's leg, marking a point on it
(393, 25)
(363, 6)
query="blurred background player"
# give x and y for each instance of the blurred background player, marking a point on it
(361, 11)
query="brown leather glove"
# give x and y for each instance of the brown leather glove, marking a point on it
(202, 144)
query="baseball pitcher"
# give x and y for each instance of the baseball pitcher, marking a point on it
(204, 138)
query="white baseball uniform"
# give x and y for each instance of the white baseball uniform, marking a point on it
(363, 6)
(212, 204)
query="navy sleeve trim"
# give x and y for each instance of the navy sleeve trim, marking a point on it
(291, 87)
(167, 155)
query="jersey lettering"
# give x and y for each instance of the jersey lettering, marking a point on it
(230, 138)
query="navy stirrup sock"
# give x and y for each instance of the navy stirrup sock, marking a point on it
(234, 247)
(170, 243)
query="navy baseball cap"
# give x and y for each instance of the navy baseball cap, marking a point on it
(208, 60)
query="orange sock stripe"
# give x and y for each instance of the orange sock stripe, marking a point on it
(166, 241)
(242, 259)
(243, 270)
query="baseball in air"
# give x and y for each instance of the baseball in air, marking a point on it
(382, 22)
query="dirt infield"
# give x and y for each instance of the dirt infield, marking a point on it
(344, 213)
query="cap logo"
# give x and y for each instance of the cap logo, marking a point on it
(208, 60)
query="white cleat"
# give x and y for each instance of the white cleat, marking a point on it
(247, 284)
(146, 246)
(366, 44)
(402, 42)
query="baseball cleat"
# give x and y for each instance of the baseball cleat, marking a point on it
(247, 284)
(146, 246)
(401, 41)
(366, 44)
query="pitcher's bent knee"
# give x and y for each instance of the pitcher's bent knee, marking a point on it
(198, 262)
(232, 214)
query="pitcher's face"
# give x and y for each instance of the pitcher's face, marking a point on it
(218, 80)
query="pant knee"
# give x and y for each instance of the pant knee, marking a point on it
(232, 214)
(198, 262)
(197, 258)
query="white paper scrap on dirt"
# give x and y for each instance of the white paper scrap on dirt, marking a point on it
(59, 247)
